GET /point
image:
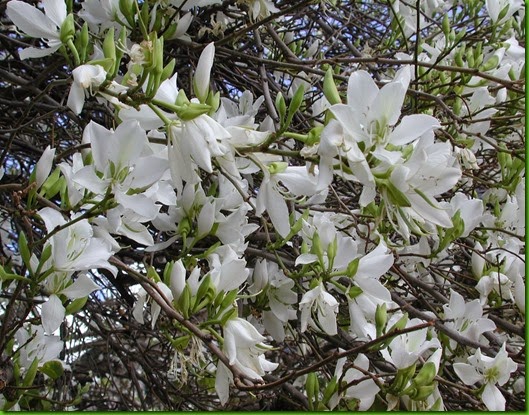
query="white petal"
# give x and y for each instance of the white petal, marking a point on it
(130, 139)
(44, 164)
(306, 259)
(269, 199)
(222, 383)
(82, 287)
(202, 74)
(145, 116)
(361, 90)
(87, 178)
(412, 127)
(178, 278)
(52, 314)
(31, 20)
(387, 105)
(493, 398)
(76, 98)
(32, 52)
(467, 373)
(137, 312)
(55, 10)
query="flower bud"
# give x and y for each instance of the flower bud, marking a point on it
(422, 392)
(381, 318)
(192, 110)
(426, 375)
(329, 88)
(67, 29)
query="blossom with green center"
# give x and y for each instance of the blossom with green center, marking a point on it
(490, 371)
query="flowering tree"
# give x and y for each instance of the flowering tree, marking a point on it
(257, 204)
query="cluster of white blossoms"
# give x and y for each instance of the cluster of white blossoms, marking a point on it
(182, 170)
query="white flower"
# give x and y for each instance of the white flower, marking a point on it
(137, 312)
(494, 7)
(53, 312)
(122, 161)
(268, 277)
(298, 180)
(100, 14)
(74, 248)
(490, 371)
(322, 303)
(406, 348)
(466, 318)
(85, 78)
(37, 345)
(244, 347)
(36, 24)
(364, 391)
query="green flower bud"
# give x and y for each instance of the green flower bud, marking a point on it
(153, 275)
(109, 45)
(184, 227)
(277, 167)
(228, 299)
(354, 292)
(422, 392)
(312, 387)
(426, 375)
(281, 106)
(181, 98)
(317, 248)
(401, 379)
(313, 136)
(203, 292)
(352, 267)
(192, 110)
(127, 9)
(381, 318)
(329, 88)
(84, 40)
(446, 25)
(296, 102)
(331, 252)
(213, 101)
(184, 301)
(491, 63)
(67, 29)
(458, 58)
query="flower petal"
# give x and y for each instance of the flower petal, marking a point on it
(52, 314)
(31, 21)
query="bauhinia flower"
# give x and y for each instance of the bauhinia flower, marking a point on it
(319, 301)
(490, 371)
(244, 347)
(34, 23)
(74, 248)
(85, 79)
(123, 162)
(298, 180)
(466, 318)
(508, 7)
(364, 391)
